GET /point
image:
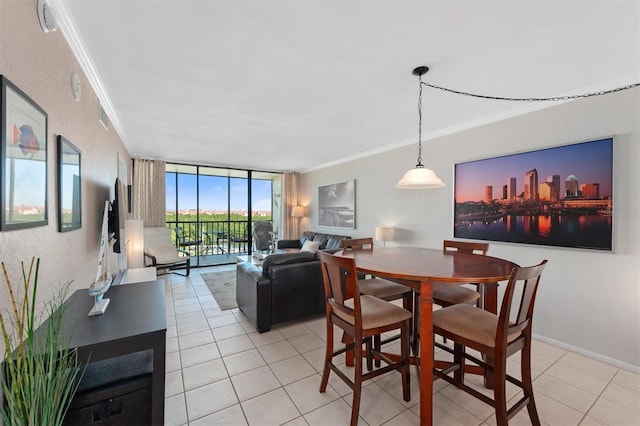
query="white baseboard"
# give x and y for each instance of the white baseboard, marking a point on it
(596, 356)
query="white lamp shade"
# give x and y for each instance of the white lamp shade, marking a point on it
(134, 240)
(419, 178)
(297, 211)
(384, 233)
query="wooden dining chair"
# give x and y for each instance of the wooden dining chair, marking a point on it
(361, 317)
(447, 295)
(496, 337)
(378, 287)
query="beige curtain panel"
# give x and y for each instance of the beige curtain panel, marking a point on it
(289, 199)
(149, 192)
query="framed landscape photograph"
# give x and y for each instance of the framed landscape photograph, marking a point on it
(69, 178)
(23, 163)
(559, 196)
(336, 205)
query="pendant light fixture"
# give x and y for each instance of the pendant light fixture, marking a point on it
(419, 177)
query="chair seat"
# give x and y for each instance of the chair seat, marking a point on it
(165, 255)
(470, 323)
(381, 288)
(455, 294)
(375, 312)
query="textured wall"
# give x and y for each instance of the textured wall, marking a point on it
(588, 300)
(41, 65)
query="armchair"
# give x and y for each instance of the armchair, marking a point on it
(160, 252)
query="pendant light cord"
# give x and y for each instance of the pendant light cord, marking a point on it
(420, 122)
(550, 99)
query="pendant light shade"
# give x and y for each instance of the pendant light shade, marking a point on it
(419, 177)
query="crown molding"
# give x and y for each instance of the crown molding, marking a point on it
(68, 29)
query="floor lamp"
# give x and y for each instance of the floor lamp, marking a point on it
(134, 238)
(296, 213)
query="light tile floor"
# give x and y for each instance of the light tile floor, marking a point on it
(220, 371)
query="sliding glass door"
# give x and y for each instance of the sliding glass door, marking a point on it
(211, 210)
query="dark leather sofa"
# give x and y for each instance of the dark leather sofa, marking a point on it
(328, 242)
(288, 286)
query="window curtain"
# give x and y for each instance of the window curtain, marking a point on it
(289, 199)
(149, 202)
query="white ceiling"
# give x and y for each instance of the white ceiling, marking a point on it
(299, 84)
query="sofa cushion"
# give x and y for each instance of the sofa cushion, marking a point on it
(310, 246)
(322, 239)
(286, 259)
(334, 242)
(306, 235)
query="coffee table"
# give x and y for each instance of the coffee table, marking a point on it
(249, 258)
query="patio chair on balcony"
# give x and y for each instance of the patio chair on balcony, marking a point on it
(214, 242)
(262, 235)
(240, 242)
(184, 243)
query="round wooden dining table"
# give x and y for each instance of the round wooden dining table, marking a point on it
(422, 269)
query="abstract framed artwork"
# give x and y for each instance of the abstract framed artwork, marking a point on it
(69, 184)
(561, 196)
(23, 164)
(336, 205)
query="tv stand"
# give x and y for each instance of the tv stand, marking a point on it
(134, 323)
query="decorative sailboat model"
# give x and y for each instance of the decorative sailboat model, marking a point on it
(103, 276)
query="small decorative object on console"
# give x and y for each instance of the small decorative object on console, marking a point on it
(103, 277)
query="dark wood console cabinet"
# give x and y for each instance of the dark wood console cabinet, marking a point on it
(134, 323)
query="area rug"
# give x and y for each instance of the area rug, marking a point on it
(222, 286)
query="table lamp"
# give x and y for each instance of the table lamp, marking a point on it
(384, 234)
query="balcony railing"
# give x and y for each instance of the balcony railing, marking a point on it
(217, 236)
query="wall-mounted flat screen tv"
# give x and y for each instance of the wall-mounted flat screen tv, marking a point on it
(559, 196)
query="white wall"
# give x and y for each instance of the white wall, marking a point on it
(588, 300)
(41, 65)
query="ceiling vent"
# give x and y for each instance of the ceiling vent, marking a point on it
(103, 117)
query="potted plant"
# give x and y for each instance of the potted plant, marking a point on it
(40, 374)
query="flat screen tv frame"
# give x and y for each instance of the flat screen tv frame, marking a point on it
(560, 196)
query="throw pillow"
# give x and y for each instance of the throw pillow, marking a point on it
(310, 246)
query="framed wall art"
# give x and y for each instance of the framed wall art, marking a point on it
(559, 196)
(23, 166)
(336, 205)
(69, 178)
